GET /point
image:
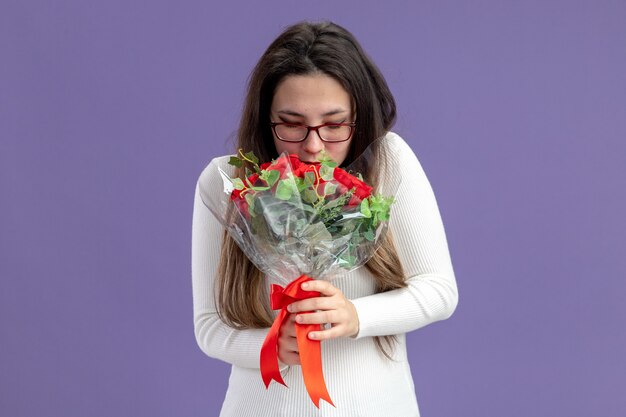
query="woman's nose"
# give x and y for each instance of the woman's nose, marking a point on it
(313, 144)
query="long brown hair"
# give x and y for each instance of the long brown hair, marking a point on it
(307, 48)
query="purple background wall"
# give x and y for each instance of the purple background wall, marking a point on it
(110, 110)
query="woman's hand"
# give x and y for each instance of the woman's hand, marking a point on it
(334, 308)
(287, 342)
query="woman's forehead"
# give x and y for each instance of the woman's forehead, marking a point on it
(311, 95)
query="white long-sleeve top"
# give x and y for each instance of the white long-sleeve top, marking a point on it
(361, 382)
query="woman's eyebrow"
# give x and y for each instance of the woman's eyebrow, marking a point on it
(328, 113)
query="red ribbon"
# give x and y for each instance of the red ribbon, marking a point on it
(310, 350)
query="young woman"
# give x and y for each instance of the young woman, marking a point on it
(315, 89)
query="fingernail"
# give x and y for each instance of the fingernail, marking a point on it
(305, 285)
(312, 335)
(299, 319)
(289, 308)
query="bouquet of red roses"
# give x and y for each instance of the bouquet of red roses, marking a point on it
(297, 221)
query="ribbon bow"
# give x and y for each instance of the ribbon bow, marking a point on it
(310, 350)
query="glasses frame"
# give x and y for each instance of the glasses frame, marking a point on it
(316, 128)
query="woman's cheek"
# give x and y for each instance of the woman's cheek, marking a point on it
(340, 153)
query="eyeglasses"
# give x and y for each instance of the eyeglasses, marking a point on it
(328, 132)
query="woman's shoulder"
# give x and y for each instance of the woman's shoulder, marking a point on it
(399, 152)
(397, 144)
(213, 167)
(210, 180)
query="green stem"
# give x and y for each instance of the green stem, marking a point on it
(320, 198)
(245, 158)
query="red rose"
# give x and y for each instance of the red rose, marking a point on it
(314, 168)
(304, 167)
(361, 189)
(282, 164)
(239, 200)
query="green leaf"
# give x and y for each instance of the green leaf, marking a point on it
(272, 177)
(337, 202)
(327, 172)
(261, 188)
(326, 160)
(349, 226)
(369, 234)
(235, 161)
(251, 156)
(299, 225)
(250, 200)
(330, 188)
(284, 190)
(300, 185)
(347, 261)
(316, 232)
(309, 178)
(365, 209)
(238, 184)
(380, 207)
(329, 163)
(309, 196)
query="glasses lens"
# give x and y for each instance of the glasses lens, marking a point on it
(335, 133)
(289, 132)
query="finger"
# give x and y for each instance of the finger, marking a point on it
(316, 303)
(288, 332)
(321, 317)
(290, 358)
(331, 333)
(289, 327)
(320, 285)
(288, 343)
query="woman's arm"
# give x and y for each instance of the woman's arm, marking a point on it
(420, 239)
(214, 337)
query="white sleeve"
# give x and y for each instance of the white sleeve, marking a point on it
(420, 239)
(214, 337)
